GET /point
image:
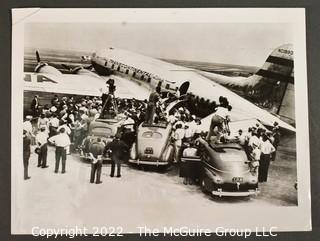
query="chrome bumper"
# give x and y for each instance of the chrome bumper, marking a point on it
(153, 163)
(221, 193)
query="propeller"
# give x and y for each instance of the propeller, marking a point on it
(38, 56)
(44, 67)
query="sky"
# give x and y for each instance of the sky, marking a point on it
(229, 43)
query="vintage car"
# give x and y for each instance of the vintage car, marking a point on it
(105, 129)
(153, 145)
(226, 170)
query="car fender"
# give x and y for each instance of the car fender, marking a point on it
(167, 154)
(133, 151)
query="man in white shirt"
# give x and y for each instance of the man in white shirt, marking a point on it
(219, 117)
(254, 140)
(41, 140)
(178, 135)
(66, 127)
(61, 141)
(188, 133)
(190, 151)
(241, 138)
(266, 151)
(254, 158)
(27, 126)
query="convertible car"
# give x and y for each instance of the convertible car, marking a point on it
(226, 170)
(105, 129)
(153, 145)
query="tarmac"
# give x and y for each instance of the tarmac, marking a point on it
(137, 198)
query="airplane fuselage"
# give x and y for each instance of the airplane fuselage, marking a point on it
(153, 72)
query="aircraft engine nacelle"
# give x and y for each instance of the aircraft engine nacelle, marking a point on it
(82, 71)
(44, 68)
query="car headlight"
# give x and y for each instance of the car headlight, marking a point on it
(254, 180)
(217, 179)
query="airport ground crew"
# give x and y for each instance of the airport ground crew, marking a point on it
(26, 154)
(119, 152)
(61, 141)
(266, 153)
(42, 140)
(96, 152)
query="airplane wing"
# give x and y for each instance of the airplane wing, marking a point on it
(242, 109)
(82, 85)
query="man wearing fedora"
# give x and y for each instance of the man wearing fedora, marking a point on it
(118, 151)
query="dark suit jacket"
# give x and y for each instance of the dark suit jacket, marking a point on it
(97, 149)
(26, 146)
(34, 104)
(119, 149)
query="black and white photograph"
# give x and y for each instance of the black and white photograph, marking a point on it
(125, 120)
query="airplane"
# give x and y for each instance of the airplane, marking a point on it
(46, 80)
(207, 87)
(143, 73)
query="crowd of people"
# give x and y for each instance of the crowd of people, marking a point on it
(66, 122)
(260, 146)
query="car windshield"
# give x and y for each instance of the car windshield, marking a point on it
(101, 131)
(150, 134)
(231, 157)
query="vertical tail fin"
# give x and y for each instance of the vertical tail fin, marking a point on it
(270, 83)
(278, 67)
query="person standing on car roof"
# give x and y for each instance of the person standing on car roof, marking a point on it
(152, 104)
(118, 151)
(266, 154)
(219, 118)
(96, 152)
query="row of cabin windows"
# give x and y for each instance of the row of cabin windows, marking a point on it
(149, 80)
(134, 74)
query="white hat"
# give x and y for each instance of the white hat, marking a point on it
(29, 117)
(53, 109)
